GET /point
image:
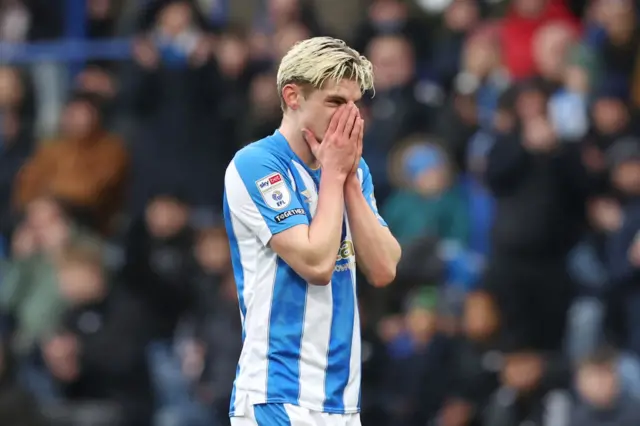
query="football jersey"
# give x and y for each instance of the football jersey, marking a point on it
(301, 342)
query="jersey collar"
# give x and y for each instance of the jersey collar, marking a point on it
(285, 148)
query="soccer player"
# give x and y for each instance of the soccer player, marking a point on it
(299, 209)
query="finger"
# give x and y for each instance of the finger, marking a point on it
(351, 122)
(355, 131)
(345, 118)
(356, 162)
(311, 140)
(333, 124)
(359, 127)
(361, 138)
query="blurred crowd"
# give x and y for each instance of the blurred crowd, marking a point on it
(504, 144)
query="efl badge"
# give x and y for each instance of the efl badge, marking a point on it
(274, 191)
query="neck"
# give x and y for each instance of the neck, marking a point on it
(293, 134)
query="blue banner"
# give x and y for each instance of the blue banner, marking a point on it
(65, 51)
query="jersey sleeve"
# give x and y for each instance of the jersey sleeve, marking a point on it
(258, 193)
(366, 182)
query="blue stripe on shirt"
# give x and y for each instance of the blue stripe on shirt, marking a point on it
(286, 323)
(342, 324)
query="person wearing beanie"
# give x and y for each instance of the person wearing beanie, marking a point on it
(430, 204)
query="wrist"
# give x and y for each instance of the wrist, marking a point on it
(334, 177)
(352, 183)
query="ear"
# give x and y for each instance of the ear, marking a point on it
(291, 94)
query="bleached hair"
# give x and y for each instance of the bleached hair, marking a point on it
(317, 60)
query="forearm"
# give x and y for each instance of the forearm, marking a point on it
(377, 250)
(325, 231)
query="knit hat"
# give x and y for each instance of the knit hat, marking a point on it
(421, 158)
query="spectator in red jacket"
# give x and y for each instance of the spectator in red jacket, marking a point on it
(519, 27)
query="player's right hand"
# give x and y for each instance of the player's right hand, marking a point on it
(337, 151)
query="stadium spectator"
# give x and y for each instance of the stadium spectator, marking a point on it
(523, 20)
(431, 204)
(16, 136)
(97, 353)
(30, 292)
(86, 168)
(175, 93)
(395, 112)
(602, 398)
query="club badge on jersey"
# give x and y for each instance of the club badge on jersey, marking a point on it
(274, 191)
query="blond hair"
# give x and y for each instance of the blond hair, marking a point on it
(316, 60)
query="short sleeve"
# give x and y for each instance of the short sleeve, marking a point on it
(258, 193)
(366, 182)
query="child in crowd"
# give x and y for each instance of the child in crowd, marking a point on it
(431, 204)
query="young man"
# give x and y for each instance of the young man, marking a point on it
(299, 208)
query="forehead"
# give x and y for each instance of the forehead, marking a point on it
(347, 89)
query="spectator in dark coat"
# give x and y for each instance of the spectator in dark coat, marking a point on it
(392, 17)
(175, 90)
(537, 182)
(602, 400)
(475, 363)
(624, 158)
(396, 111)
(16, 136)
(539, 214)
(160, 269)
(98, 355)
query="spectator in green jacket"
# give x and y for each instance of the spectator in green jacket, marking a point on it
(29, 293)
(430, 203)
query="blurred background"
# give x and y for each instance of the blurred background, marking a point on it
(503, 139)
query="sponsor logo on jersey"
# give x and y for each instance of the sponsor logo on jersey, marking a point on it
(344, 267)
(268, 181)
(275, 179)
(346, 251)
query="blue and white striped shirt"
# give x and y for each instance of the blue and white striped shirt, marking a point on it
(301, 343)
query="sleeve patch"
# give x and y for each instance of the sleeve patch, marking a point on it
(274, 191)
